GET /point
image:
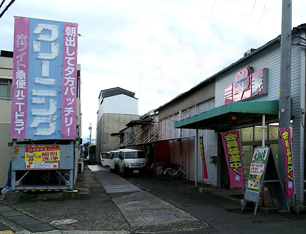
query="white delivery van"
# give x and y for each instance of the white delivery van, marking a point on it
(115, 156)
(110, 159)
(132, 161)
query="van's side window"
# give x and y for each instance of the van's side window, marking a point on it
(136, 154)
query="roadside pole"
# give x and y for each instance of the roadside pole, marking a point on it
(285, 86)
(196, 142)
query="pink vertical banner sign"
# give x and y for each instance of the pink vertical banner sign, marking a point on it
(20, 78)
(232, 150)
(69, 81)
(286, 142)
(205, 175)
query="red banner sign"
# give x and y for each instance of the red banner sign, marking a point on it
(232, 150)
(205, 175)
(286, 141)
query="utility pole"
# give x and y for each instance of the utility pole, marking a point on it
(285, 86)
(89, 134)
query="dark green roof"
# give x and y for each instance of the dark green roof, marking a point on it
(247, 113)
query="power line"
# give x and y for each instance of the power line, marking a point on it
(2, 3)
(254, 5)
(213, 7)
(6, 8)
(264, 13)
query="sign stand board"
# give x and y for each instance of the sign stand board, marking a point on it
(263, 170)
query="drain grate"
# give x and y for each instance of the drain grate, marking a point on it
(139, 202)
(160, 218)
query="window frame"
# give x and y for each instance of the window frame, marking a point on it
(8, 84)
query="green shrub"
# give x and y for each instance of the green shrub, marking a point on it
(24, 197)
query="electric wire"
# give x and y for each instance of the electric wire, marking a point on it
(2, 3)
(254, 6)
(7, 7)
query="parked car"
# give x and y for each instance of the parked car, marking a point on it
(132, 161)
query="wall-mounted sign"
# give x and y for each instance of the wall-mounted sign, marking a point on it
(42, 157)
(232, 150)
(247, 85)
(44, 79)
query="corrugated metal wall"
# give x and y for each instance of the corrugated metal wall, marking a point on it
(187, 101)
(183, 150)
(296, 112)
(271, 59)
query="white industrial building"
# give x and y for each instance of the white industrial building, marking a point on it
(117, 107)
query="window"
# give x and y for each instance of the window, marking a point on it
(247, 134)
(134, 154)
(5, 88)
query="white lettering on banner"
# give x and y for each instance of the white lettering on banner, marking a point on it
(45, 115)
(41, 37)
(21, 44)
(44, 131)
(20, 94)
(70, 121)
(69, 77)
(46, 112)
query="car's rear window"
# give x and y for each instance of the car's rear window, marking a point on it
(134, 154)
(116, 154)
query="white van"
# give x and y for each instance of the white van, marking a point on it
(132, 161)
(115, 155)
(111, 159)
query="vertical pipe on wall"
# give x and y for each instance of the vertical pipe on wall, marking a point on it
(263, 130)
(302, 122)
(196, 159)
(207, 153)
(188, 153)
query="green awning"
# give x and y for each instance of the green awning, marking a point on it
(232, 115)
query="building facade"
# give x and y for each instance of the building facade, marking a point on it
(117, 107)
(6, 71)
(251, 105)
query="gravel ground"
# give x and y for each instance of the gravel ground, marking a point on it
(98, 215)
(94, 210)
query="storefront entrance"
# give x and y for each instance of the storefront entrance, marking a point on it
(245, 116)
(251, 138)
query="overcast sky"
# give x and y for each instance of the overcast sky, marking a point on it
(154, 48)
